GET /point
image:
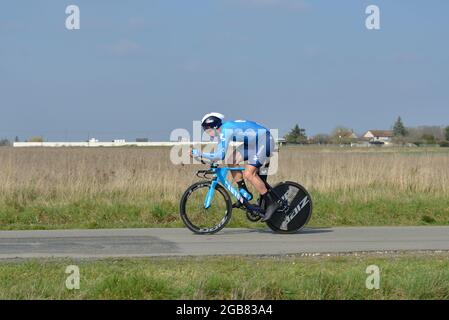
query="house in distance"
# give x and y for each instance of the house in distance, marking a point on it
(384, 136)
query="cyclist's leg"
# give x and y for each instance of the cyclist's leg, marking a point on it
(264, 152)
(259, 155)
(235, 160)
(251, 174)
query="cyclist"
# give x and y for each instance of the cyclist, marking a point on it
(258, 146)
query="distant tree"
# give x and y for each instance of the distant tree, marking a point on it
(415, 133)
(399, 128)
(296, 135)
(321, 138)
(36, 139)
(16, 139)
(4, 143)
(446, 133)
(340, 131)
(342, 135)
(429, 139)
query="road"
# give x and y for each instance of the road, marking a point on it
(181, 242)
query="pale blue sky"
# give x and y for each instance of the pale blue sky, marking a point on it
(143, 68)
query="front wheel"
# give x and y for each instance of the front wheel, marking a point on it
(299, 210)
(203, 220)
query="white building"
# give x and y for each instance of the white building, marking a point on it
(379, 135)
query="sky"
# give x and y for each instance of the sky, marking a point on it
(142, 68)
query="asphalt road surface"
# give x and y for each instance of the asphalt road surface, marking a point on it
(181, 242)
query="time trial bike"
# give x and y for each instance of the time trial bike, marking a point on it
(206, 206)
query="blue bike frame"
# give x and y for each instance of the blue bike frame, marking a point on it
(220, 175)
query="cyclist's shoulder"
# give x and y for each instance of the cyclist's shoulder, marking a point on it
(241, 124)
(230, 125)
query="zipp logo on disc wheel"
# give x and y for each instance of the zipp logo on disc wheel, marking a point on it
(299, 208)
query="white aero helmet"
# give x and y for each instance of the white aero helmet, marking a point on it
(212, 120)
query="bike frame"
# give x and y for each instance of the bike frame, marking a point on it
(220, 175)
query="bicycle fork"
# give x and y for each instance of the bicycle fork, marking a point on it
(210, 194)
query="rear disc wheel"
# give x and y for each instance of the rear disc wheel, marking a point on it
(299, 210)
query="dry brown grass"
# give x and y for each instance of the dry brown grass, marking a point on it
(343, 171)
(74, 173)
(53, 186)
(67, 173)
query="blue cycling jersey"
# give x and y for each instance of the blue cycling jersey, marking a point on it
(252, 134)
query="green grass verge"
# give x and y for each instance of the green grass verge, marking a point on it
(397, 210)
(121, 211)
(334, 277)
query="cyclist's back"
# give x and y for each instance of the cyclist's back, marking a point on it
(244, 130)
(257, 141)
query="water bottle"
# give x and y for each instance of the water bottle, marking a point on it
(245, 194)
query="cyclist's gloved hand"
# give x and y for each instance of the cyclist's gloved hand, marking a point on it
(196, 153)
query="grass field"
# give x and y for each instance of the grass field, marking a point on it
(336, 277)
(48, 188)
